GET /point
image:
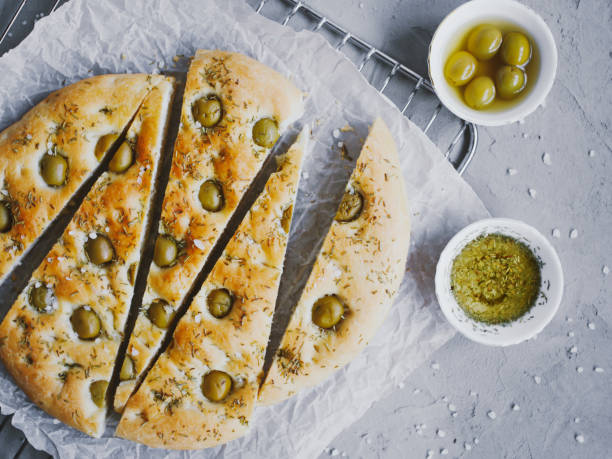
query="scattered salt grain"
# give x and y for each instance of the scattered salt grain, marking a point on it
(573, 234)
(198, 318)
(87, 308)
(579, 438)
(473, 394)
(49, 260)
(56, 421)
(199, 244)
(334, 452)
(532, 192)
(573, 350)
(577, 420)
(443, 451)
(511, 171)
(72, 233)
(93, 235)
(440, 433)
(37, 284)
(591, 325)
(592, 153)
(556, 233)
(427, 455)
(445, 398)
(435, 366)
(537, 379)
(467, 446)
(579, 369)
(476, 441)
(107, 229)
(454, 414)
(492, 414)
(569, 319)
(570, 334)
(525, 135)
(134, 351)
(401, 385)
(336, 133)
(605, 270)
(546, 159)
(416, 391)
(452, 407)
(598, 369)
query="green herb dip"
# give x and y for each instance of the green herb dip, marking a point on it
(495, 279)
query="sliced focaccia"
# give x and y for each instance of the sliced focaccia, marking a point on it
(355, 276)
(54, 148)
(234, 109)
(60, 339)
(202, 390)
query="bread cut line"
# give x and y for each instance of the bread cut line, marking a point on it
(234, 109)
(60, 339)
(355, 277)
(202, 389)
(42, 163)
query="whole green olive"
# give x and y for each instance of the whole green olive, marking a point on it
(484, 41)
(219, 302)
(211, 196)
(265, 132)
(85, 323)
(6, 218)
(127, 369)
(460, 68)
(160, 313)
(41, 298)
(350, 207)
(99, 250)
(97, 390)
(515, 49)
(53, 169)
(327, 311)
(480, 92)
(216, 385)
(104, 144)
(286, 219)
(166, 251)
(510, 81)
(122, 159)
(131, 273)
(207, 111)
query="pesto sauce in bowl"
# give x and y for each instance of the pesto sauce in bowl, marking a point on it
(495, 279)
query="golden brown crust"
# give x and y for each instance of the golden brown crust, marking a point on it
(362, 262)
(226, 153)
(70, 121)
(169, 409)
(41, 349)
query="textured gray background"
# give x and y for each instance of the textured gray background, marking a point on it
(573, 192)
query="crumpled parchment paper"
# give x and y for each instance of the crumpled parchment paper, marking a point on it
(84, 38)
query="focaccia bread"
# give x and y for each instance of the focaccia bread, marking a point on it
(59, 341)
(202, 390)
(233, 110)
(50, 152)
(355, 276)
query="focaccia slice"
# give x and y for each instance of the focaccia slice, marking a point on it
(60, 339)
(51, 151)
(202, 390)
(355, 276)
(215, 159)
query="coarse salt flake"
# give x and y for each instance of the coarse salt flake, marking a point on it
(511, 171)
(592, 153)
(546, 159)
(93, 235)
(532, 192)
(443, 451)
(134, 351)
(199, 244)
(334, 452)
(556, 233)
(467, 446)
(492, 414)
(577, 420)
(573, 350)
(591, 325)
(579, 369)
(452, 407)
(573, 234)
(440, 433)
(197, 318)
(336, 133)
(598, 370)
(605, 270)
(515, 407)
(579, 438)
(537, 379)
(435, 366)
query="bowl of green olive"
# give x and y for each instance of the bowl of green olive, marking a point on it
(492, 62)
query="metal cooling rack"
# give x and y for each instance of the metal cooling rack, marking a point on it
(381, 70)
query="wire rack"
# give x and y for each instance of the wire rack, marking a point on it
(411, 92)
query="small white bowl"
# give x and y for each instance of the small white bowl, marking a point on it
(527, 326)
(469, 15)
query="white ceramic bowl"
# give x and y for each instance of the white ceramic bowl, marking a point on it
(475, 12)
(527, 326)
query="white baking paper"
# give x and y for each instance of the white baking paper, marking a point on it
(84, 38)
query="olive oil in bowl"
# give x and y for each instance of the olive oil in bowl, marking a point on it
(495, 279)
(492, 66)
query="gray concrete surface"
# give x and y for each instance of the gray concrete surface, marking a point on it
(539, 398)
